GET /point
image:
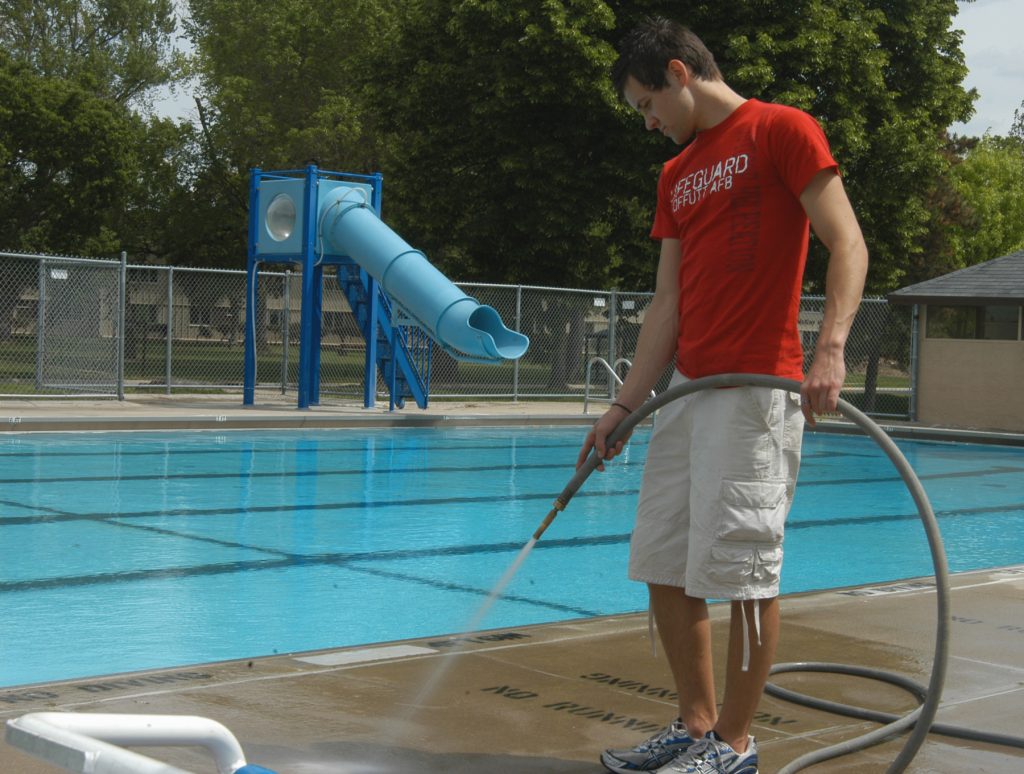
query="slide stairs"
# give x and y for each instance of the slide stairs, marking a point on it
(402, 354)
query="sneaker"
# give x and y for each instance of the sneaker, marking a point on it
(711, 755)
(652, 754)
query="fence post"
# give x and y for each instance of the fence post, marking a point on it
(286, 324)
(519, 327)
(613, 315)
(40, 324)
(915, 321)
(169, 332)
(122, 288)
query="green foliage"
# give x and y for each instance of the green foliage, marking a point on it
(511, 161)
(277, 92)
(115, 49)
(991, 179)
(1017, 128)
(506, 155)
(81, 171)
(62, 164)
(283, 88)
(508, 152)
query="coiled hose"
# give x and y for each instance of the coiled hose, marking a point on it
(922, 718)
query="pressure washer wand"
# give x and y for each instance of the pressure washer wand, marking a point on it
(622, 430)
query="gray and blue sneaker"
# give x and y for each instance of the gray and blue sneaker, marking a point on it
(652, 754)
(711, 755)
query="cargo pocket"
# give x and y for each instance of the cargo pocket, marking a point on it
(736, 566)
(752, 511)
(747, 548)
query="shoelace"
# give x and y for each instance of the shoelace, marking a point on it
(658, 740)
(700, 757)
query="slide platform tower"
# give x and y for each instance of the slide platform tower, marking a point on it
(313, 219)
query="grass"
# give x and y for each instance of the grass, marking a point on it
(856, 380)
(203, 365)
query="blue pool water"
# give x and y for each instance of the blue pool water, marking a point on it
(131, 551)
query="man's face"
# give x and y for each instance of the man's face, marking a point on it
(668, 110)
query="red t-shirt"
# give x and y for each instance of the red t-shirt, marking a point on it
(732, 199)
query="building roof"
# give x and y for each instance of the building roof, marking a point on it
(999, 281)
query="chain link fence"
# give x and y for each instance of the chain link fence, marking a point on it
(60, 329)
(73, 326)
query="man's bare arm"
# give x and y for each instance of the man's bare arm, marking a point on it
(833, 220)
(655, 349)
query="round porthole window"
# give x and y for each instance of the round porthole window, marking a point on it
(280, 219)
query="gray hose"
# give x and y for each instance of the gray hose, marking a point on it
(921, 718)
(919, 691)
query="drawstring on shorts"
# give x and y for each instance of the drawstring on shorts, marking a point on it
(746, 631)
(650, 629)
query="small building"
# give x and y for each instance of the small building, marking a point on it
(971, 345)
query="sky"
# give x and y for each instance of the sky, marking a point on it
(995, 57)
(992, 47)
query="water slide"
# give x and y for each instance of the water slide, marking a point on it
(465, 328)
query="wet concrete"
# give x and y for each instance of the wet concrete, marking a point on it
(549, 698)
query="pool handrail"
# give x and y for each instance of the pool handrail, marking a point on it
(611, 371)
(92, 742)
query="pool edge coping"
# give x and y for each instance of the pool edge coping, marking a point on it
(248, 420)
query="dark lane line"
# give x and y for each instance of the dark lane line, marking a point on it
(374, 504)
(293, 474)
(357, 560)
(362, 562)
(202, 476)
(368, 505)
(236, 450)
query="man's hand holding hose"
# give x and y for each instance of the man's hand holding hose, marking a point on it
(819, 393)
(597, 438)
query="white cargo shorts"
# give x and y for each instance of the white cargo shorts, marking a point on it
(718, 484)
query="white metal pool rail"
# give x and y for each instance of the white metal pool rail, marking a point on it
(89, 742)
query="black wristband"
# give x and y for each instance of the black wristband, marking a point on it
(627, 409)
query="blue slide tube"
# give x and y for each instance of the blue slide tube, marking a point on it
(465, 328)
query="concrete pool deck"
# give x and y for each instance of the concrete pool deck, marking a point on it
(549, 698)
(545, 698)
(272, 410)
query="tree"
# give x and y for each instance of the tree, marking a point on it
(1017, 128)
(506, 155)
(990, 180)
(63, 165)
(280, 91)
(81, 169)
(70, 170)
(949, 213)
(284, 88)
(977, 206)
(509, 153)
(115, 49)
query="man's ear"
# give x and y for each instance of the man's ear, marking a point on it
(679, 71)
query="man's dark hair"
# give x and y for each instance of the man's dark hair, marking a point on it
(646, 51)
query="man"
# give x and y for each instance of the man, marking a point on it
(733, 217)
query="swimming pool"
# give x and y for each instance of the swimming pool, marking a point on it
(128, 551)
